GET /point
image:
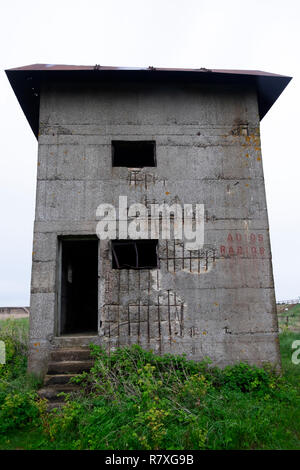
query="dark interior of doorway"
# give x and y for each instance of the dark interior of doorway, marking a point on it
(79, 286)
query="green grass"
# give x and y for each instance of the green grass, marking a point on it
(22, 439)
(14, 332)
(134, 399)
(291, 371)
(16, 327)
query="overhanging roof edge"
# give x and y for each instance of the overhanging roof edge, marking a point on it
(26, 81)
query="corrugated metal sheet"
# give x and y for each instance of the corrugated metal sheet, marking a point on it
(26, 81)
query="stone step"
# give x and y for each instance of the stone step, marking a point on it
(57, 379)
(51, 392)
(55, 405)
(70, 355)
(73, 341)
(65, 363)
(69, 367)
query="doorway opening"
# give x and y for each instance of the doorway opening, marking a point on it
(78, 290)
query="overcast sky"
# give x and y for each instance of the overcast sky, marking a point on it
(259, 35)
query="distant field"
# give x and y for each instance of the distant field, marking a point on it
(289, 317)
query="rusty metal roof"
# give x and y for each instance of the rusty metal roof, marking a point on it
(26, 81)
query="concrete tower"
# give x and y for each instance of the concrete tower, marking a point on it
(154, 136)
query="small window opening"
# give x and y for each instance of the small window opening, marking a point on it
(134, 254)
(133, 154)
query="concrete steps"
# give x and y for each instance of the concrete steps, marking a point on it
(74, 354)
(54, 405)
(51, 392)
(69, 367)
(77, 342)
(64, 364)
(57, 379)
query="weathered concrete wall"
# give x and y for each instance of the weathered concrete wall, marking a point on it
(217, 302)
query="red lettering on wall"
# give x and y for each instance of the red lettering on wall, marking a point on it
(243, 249)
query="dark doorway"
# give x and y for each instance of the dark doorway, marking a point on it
(79, 286)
